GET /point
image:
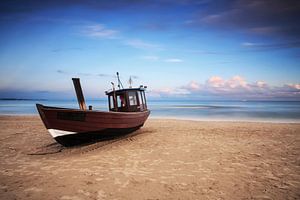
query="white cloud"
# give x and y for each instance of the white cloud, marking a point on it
(170, 92)
(237, 82)
(250, 44)
(211, 18)
(270, 46)
(294, 86)
(234, 88)
(99, 31)
(140, 44)
(156, 58)
(193, 85)
(238, 87)
(218, 85)
(261, 84)
(173, 60)
(215, 81)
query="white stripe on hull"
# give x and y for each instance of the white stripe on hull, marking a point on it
(56, 133)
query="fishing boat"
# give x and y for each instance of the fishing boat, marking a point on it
(127, 112)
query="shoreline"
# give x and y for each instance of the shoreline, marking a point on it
(280, 121)
(227, 120)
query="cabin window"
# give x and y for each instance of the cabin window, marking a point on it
(132, 98)
(144, 99)
(121, 100)
(111, 102)
(140, 97)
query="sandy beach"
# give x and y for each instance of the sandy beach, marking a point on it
(166, 159)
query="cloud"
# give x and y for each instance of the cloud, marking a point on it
(263, 46)
(294, 86)
(193, 86)
(275, 18)
(261, 84)
(265, 30)
(134, 76)
(215, 81)
(237, 82)
(99, 31)
(238, 88)
(94, 74)
(61, 71)
(235, 88)
(156, 58)
(140, 44)
(173, 60)
(211, 19)
(260, 17)
(168, 92)
(107, 75)
(85, 74)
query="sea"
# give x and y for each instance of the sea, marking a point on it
(252, 111)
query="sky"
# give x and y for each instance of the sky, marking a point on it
(180, 49)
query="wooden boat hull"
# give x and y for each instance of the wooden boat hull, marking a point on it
(73, 126)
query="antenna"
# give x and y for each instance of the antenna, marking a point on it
(119, 82)
(130, 82)
(113, 85)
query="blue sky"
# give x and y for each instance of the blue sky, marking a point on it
(203, 49)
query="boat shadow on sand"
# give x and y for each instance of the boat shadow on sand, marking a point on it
(92, 137)
(82, 143)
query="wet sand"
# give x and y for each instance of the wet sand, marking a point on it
(166, 159)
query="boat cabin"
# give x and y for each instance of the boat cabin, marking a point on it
(127, 100)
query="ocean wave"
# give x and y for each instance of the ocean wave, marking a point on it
(198, 107)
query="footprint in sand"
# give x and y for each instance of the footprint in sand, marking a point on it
(101, 195)
(65, 197)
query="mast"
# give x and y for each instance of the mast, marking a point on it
(119, 81)
(79, 94)
(115, 97)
